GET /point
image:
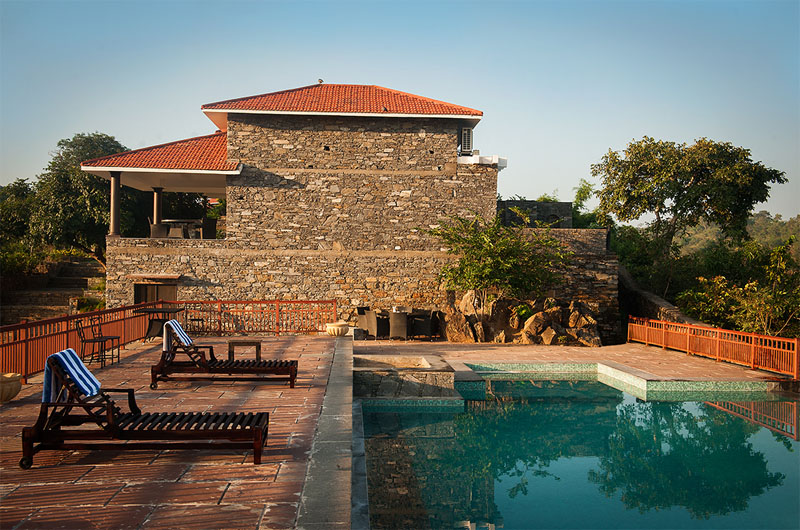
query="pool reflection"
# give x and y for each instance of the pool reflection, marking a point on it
(636, 463)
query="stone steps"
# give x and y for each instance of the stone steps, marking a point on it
(73, 281)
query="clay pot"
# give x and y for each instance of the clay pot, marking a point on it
(10, 386)
(337, 329)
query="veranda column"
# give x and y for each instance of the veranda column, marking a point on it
(157, 205)
(115, 192)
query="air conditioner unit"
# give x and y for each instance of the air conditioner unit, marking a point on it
(466, 141)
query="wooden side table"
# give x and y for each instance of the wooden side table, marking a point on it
(233, 343)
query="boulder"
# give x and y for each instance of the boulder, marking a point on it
(501, 337)
(587, 337)
(513, 321)
(555, 314)
(536, 324)
(480, 331)
(456, 327)
(549, 336)
(469, 303)
(528, 338)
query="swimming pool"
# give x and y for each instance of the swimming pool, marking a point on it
(580, 454)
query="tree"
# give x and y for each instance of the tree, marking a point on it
(15, 210)
(72, 207)
(509, 259)
(766, 301)
(682, 185)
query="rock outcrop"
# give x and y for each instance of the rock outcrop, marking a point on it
(547, 321)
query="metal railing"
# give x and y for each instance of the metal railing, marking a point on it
(778, 416)
(24, 347)
(763, 352)
(257, 316)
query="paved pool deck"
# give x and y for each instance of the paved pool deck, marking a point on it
(649, 360)
(173, 488)
(305, 478)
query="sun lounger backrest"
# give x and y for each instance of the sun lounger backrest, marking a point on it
(179, 334)
(73, 367)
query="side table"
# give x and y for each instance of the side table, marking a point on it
(233, 343)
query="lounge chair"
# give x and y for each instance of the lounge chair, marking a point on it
(72, 398)
(177, 342)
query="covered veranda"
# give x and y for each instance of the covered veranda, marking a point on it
(195, 165)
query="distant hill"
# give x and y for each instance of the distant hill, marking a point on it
(762, 226)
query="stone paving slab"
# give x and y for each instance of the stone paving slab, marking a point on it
(173, 488)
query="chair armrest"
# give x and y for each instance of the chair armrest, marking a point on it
(131, 398)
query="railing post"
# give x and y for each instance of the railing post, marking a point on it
(752, 350)
(796, 359)
(688, 338)
(664, 334)
(219, 318)
(27, 352)
(277, 318)
(717, 344)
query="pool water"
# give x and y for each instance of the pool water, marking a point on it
(583, 455)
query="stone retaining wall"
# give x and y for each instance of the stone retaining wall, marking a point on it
(233, 270)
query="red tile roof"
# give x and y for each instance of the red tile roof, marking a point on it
(203, 153)
(343, 99)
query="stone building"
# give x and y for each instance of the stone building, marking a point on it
(329, 191)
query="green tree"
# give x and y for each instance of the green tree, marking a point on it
(510, 260)
(765, 300)
(72, 207)
(680, 186)
(16, 201)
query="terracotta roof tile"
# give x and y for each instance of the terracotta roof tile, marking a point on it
(343, 99)
(203, 153)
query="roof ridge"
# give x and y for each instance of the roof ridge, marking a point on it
(141, 149)
(260, 95)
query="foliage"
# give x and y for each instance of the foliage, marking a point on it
(682, 185)
(17, 258)
(16, 200)
(546, 197)
(510, 260)
(72, 207)
(767, 302)
(581, 216)
(711, 301)
(86, 304)
(524, 312)
(761, 227)
(218, 210)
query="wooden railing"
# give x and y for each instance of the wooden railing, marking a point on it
(778, 416)
(24, 347)
(775, 354)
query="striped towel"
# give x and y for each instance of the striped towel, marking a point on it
(75, 369)
(183, 338)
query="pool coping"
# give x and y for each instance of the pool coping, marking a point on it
(639, 383)
(325, 501)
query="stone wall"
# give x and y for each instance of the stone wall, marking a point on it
(234, 270)
(555, 214)
(592, 277)
(333, 183)
(338, 142)
(224, 270)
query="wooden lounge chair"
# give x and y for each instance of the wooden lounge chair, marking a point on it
(73, 400)
(177, 342)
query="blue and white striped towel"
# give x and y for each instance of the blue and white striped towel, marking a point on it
(183, 338)
(75, 369)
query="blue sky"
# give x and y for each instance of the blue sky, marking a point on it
(560, 83)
